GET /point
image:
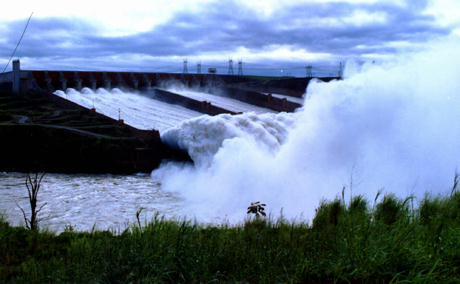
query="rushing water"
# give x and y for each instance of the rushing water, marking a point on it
(87, 201)
(220, 101)
(135, 109)
(106, 201)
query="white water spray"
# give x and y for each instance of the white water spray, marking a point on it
(202, 137)
(393, 126)
(217, 100)
(135, 109)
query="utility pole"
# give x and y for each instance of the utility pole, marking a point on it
(185, 70)
(198, 68)
(230, 67)
(240, 67)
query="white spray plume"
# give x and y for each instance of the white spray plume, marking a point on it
(394, 126)
(203, 136)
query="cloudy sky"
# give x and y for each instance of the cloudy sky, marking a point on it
(274, 36)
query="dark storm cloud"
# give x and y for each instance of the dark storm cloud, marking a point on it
(225, 26)
(48, 37)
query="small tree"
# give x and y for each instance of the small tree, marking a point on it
(33, 183)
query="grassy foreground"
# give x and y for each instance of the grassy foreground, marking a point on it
(354, 242)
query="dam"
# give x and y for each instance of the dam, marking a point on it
(205, 93)
(95, 121)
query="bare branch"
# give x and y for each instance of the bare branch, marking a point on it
(26, 220)
(41, 207)
(41, 178)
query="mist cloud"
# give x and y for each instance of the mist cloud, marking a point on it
(390, 127)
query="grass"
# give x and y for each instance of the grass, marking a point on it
(387, 241)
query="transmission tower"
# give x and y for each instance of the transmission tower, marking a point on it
(341, 70)
(230, 67)
(309, 71)
(185, 70)
(240, 67)
(198, 68)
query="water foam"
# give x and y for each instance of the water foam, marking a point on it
(202, 137)
(220, 100)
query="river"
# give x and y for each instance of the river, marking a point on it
(87, 201)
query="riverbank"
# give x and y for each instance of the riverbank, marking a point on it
(359, 241)
(42, 132)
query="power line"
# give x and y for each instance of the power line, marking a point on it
(19, 42)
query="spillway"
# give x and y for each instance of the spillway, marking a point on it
(289, 98)
(220, 101)
(135, 109)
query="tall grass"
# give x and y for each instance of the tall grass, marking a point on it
(346, 242)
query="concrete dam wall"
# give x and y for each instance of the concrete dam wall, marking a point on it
(252, 90)
(47, 132)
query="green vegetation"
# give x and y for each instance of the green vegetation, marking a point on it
(381, 242)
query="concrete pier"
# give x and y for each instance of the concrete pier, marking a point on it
(78, 81)
(16, 77)
(107, 81)
(147, 82)
(92, 82)
(63, 81)
(120, 81)
(48, 81)
(134, 81)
